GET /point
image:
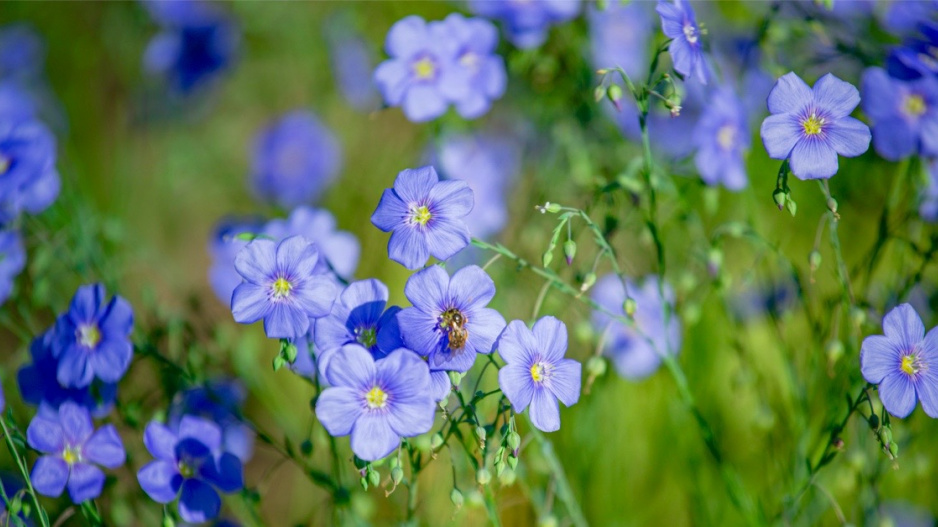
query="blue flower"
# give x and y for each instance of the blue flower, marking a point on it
(338, 250)
(22, 53)
(71, 448)
(449, 323)
(619, 36)
(352, 64)
(377, 402)
(916, 57)
(906, 16)
(811, 126)
(536, 372)
(40, 387)
(722, 138)
(425, 217)
(220, 402)
(224, 247)
(92, 339)
(527, 23)
(197, 43)
(903, 363)
(474, 41)
(15, 104)
(359, 317)
(904, 114)
(679, 23)
(281, 286)
(636, 351)
(28, 179)
(12, 260)
(190, 464)
(295, 160)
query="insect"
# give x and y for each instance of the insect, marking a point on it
(453, 324)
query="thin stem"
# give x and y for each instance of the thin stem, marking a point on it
(564, 491)
(21, 463)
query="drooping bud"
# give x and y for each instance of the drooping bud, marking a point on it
(792, 206)
(456, 498)
(436, 441)
(814, 259)
(780, 196)
(714, 261)
(835, 350)
(374, 478)
(483, 476)
(278, 362)
(480, 433)
(614, 92)
(596, 366)
(588, 282)
(547, 257)
(832, 205)
(512, 462)
(514, 440)
(364, 483)
(569, 250)
(397, 474)
(507, 478)
(455, 377)
(289, 352)
(874, 421)
(629, 306)
(599, 93)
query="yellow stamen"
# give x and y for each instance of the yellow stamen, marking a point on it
(376, 398)
(915, 105)
(424, 68)
(908, 365)
(89, 336)
(420, 215)
(281, 287)
(70, 455)
(813, 125)
(538, 372)
(5, 163)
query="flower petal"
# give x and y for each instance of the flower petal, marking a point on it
(453, 198)
(903, 326)
(337, 409)
(427, 290)
(256, 262)
(45, 435)
(418, 330)
(49, 476)
(551, 336)
(160, 441)
(296, 257)
(484, 326)
(250, 303)
(85, 482)
(517, 345)
(879, 357)
(351, 366)
(225, 473)
(516, 383)
(813, 159)
(897, 394)
(198, 502)
(202, 430)
(470, 287)
(545, 412)
(372, 437)
(105, 448)
(789, 95)
(780, 133)
(160, 480)
(927, 386)
(565, 381)
(391, 211)
(409, 247)
(849, 137)
(838, 98)
(286, 321)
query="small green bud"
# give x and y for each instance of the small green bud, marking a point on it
(397, 474)
(483, 476)
(480, 433)
(168, 521)
(422, 443)
(512, 462)
(499, 467)
(514, 440)
(547, 521)
(278, 362)
(596, 366)
(306, 447)
(374, 478)
(588, 282)
(547, 257)
(780, 197)
(832, 205)
(552, 208)
(792, 206)
(456, 498)
(835, 350)
(599, 93)
(455, 377)
(894, 449)
(814, 260)
(629, 306)
(245, 236)
(569, 250)
(364, 483)
(394, 462)
(436, 441)
(874, 422)
(858, 316)
(290, 353)
(507, 478)
(692, 311)
(885, 434)
(714, 261)
(475, 498)
(614, 92)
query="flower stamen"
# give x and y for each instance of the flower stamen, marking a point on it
(813, 125)
(281, 288)
(914, 105)
(376, 398)
(89, 335)
(424, 68)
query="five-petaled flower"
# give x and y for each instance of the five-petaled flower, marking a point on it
(359, 317)
(425, 217)
(903, 362)
(536, 372)
(810, 126)
(679, 23)
(904, 114)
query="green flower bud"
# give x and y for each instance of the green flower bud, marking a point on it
(394, 462)
(614, 92)
(780, 196)
(456, 498)
(588, 282)
(595, 367)
(289, 352)
(306, 447)
(455, 377)
(569, 250)
(548, 521)
(792, 206)
(832, 205)
(499, 467)
(814, 259)
(436, 441)
(475, 498)
(374, 478)
(278, 362)
(480, 433)
(629, 306)
(507, 478)
(422, 442)
(858, 316)
(599, 93)
(483, 476)
(514, 440)
(397, 474)
(552, 208)
(547, 257)
(512, 462)
(835, 350)
(894, 449)
(874, 421)
(364, 483)
(168, 520)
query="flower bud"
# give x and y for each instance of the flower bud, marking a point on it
(838, 444)
(814, 259)
(475, 498)
(394, 462)
(512, 462)
(507, 478)
(569, 250)
(835, 350)
(629, 306)
(397, 474)
(278, 362)
(289, 352)
(436, 441)
(547, 521)
(714, 261)
(499, 467)
(858, 316)
(483, 476)
(599, 93)
(456, 498)
(480, 433)
(455, 377)
(832, 205)
(588, 282)
(168, 520)
(364, 483)
(614, 92)
(595, 367)
(374, 478)
(514, 440)
(306, 447)
(874, 421)
(780, 196)
(792, 206)
(547, 258)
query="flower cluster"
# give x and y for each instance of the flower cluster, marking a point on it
(527, 23)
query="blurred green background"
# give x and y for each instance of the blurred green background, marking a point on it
(142, 192)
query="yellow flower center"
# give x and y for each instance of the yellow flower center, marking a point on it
(726, 136)
(538, 372)
(420, 215)
(281, 287)
(909, 366)
(813, 125)
(914, 105)
(424, 68)
(89, 335)
(71, 455)
(376, 398)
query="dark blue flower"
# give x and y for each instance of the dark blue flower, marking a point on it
(71, 448)
(810, 127)
(449, 323)
(40, 387)
(722, 138)
(679, 23)
(190, 464)
(536, 374)
(12, 260)
(295, 160)
(425, 217)
(359, 317)
(904, 114)
(92, 340)
(281, 286)
(376, 402)
(220, 402)
(917, 57)
(527, 22)
(29, 181)
(903, 16)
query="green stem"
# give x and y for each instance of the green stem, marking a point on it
(21, 463)
(564, 491)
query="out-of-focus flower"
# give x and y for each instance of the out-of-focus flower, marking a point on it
(338, 250)
(220, 402)
(425, 216)
(196, 44)
(474, 42)
(904, 114)
(71, 448)
(527, 22)
(22, 53)
(619, 36)
(902, 362)
(722, 138)
(810, 127)
(636, 351)
(905, 16)
(29, 181)
(190, 464)
(12, 260)
(223, 248)
(15, 103)
(918, 56)
(377, 402)
(929, 206)
(536, 372)
(679, 23)
(352, 64)
(40, 387)
(449, 323)
(359, 317)
(281, 286)
(295, 160)
(92, 339)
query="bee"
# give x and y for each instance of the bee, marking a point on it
(453, 324)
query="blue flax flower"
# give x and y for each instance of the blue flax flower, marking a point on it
(352, 61)
(92, 339)
(224, 247)
(679, 23)
(22, 53)
(29, 181)
(338, 250)
(12, 260)
(536, 372)
(904, 114)
(636, 351)
(527, 22)
(810, 126)
(40, 387)
(449, 323)
(295, 160)
(917, 57)
(190, 464)
(219, 401)
(722, 138)
(281, 286)
(474, 41)
(377, 402)
(71, 448)
(903, 363)
(619, 36)
(425, 217)
(359, 317)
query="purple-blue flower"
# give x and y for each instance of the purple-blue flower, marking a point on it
(722, 138)
(29, 181)
(359, 317)
(295, 159)
(22, 53)
(902, 362)
(904, 114)
(527, 22)
(449, 323)
(40, 387)
(190, 464)
(377, 402)
(219, 401)
(474, 41)
(12, 260)
(619, 36)
(906, 15)
(71, 448)
(536, 372)
(636, 351)
(425, 216)
(92, 339)
(679, 23)
(917, 57)
(352, 63)
(338, 250)
(224, 247)
(281, 286)
(811, 126)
